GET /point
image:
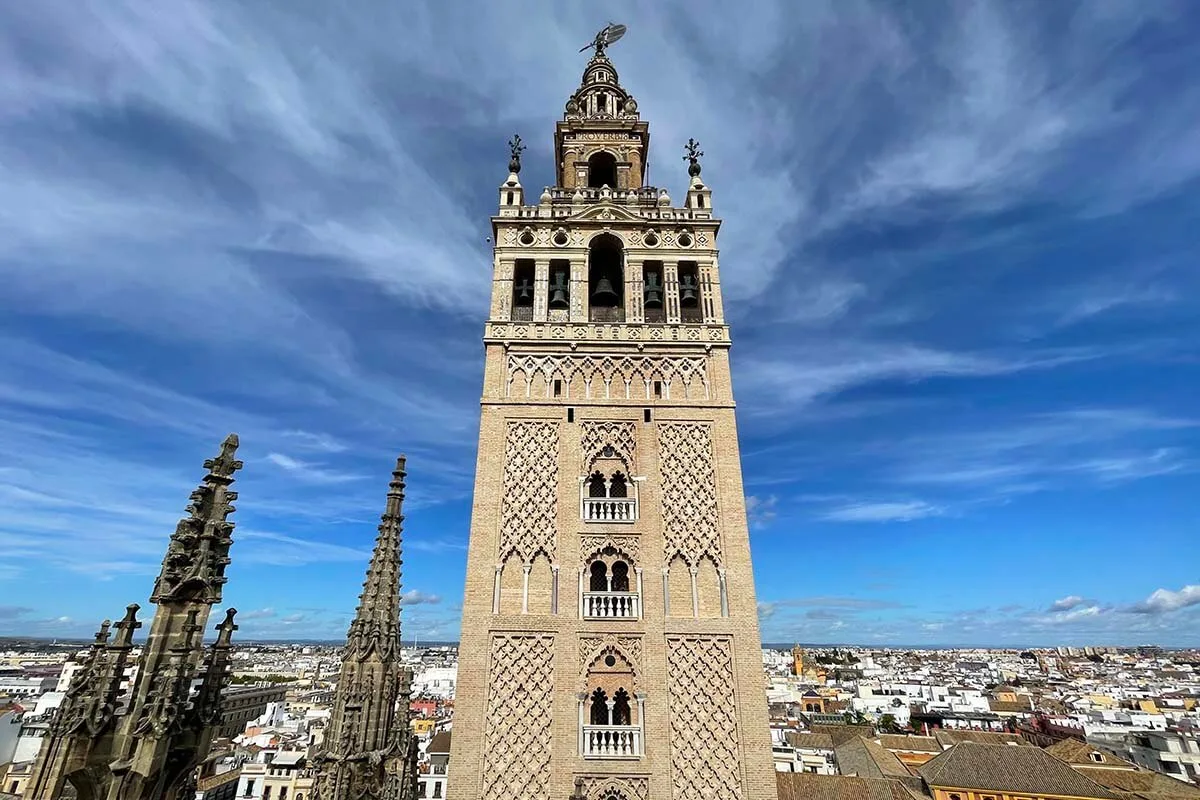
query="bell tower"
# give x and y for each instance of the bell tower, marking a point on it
(610, 646)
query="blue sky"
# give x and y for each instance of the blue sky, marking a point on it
(960, 254)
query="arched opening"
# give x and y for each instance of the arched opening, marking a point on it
(602, 169)
(617, 487)
(708, 588)
(606, 282)
(679, 588)
(522, 295)
(621, 712)
(620, 577)
(512, 585)
(541, 586)
(598, 582)
(596, 487)
(599, 711)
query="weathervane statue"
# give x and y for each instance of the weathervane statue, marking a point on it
(607, 35)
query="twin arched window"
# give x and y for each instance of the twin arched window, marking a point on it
(600, 486)
(603, 579)
(617, 712)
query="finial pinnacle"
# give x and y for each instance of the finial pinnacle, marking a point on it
(515, 148)
(693, 153)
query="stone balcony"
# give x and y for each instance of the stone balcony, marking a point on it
(612, 605)
(611, 741)
(609, 509)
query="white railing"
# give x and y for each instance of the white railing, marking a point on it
(611, 605)
(612, 741)
(609, 509)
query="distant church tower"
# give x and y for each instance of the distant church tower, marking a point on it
(106, 745)
(610, 646)
(369, 752)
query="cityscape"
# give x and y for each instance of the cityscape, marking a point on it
(381, 426)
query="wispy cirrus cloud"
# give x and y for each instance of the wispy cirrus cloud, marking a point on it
(904, 511)
(948, 295)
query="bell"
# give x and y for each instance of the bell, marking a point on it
(653, 291)
(525, 292)
(604, 294)
(558, 291)
(688, 297)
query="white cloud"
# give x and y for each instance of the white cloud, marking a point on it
(415, 597)
(905, 511)
(1067, 603)
(309, 471)
(1162, 601)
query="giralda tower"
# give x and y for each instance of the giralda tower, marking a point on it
(610, 646)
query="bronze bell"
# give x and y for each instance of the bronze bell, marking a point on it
(558, 291)
(653, 291)
(604, 294)
(525, 292)
(688, 295)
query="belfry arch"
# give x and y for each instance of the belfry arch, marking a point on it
(602, 170)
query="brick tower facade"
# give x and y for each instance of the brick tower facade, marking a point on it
(610, 645)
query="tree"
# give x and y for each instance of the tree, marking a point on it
(887, 724)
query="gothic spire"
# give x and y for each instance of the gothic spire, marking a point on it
(194, 566)
(377, 621)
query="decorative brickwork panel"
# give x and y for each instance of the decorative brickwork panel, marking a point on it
(703, 712)
(530, 499)
(590, 546)
(516, 751)
(607, 787)
(689, 492)
(607, 440)
(609, 377)
(591, 647)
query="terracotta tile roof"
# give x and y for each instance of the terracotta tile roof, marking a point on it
(916, 744)
(868, 759)
(843, 733)
(1141, 783)
(805, 786)
(1074, 751)
(1007, 706)
(1003, 768)
(812, 741)
(440, 743)
(948, 738)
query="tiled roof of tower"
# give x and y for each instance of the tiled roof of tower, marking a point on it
(1005, 768)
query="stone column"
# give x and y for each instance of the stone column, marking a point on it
(695, 591)
(496, 590)
(554, 592)
(638, 570)
(666, 591)
(541, 288)
(724, 596)
(525, 588)
(633, 291)
(579, 286)
(671, 290)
